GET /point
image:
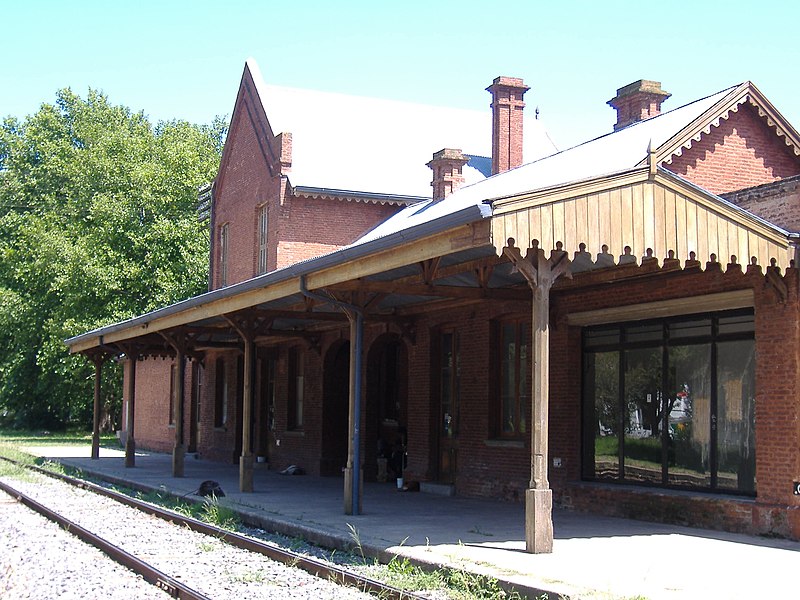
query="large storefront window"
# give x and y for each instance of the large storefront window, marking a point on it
(671, 402)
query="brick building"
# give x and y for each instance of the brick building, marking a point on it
(614, 327)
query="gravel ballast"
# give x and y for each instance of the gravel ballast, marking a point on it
(39, 560)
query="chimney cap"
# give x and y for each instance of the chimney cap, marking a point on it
(449, 154)
(643, 86)
(512, 82)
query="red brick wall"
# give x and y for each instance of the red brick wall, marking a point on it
(778, 202)
(299, 227)
(742, 152)
(218, 443)
(777, 409)
(309, 227)
(243, 183)
(152, 430)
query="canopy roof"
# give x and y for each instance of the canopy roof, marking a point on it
(609, 194)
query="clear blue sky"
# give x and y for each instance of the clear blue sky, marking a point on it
(184, 59)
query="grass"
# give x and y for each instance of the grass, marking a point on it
(47, 438)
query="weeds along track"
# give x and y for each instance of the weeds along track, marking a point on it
(185, 557)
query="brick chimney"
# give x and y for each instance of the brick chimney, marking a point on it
(446, 166)
(638, 101)
(507, 108)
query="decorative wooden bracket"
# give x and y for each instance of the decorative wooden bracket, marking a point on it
(484, 274)
(181, 342)
(408, 331)
(539, 271)
(776, 282)
(429, 268)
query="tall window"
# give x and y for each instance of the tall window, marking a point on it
(296, 389)
(172, 371)
(672, 402)
(262, 239)
(268, 391)
(388, 384)
(223, 255)
(220, 394)
(513, 372)
(449, 383)
(197, 387)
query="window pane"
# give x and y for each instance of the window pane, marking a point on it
(524, 367)
(689, 410)
(690, 329)
(508, 378)
(736, 324)
(603, 390)
(594, 338)
(644, 333)
(644, 415)
(736, 453)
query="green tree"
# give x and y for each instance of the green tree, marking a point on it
(97, 224)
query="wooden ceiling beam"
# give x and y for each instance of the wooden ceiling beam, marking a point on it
(440, 291)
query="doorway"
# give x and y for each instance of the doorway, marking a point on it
(447, 372)
(335, 409)
(387, 408)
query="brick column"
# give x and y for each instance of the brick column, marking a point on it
(777, 321)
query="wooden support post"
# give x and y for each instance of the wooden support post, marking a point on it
(130, 443)
(97, 359)
(247, 327)
(246, 459)
(540, 273)
(179, 450)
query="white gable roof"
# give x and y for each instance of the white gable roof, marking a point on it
(611, 153)
(378, 146)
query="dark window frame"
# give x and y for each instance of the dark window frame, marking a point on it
(624, 342)
(522, 364)
(221, 393)
(452, 373)
(296, 390)
(262, 236)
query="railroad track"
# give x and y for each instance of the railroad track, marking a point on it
(171, 585)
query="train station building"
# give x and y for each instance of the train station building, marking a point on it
(441, 296)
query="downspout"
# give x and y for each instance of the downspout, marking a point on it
(349, 310)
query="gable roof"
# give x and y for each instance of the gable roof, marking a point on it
(376, 146)
(618, 151)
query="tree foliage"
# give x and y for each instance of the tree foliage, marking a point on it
(97, 224)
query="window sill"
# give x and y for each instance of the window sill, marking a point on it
(496, 443)
(220, 428)
(294, 433)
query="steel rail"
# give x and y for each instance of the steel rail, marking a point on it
(161, 580)
(313, 566)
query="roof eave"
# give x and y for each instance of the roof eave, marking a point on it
(334, 260)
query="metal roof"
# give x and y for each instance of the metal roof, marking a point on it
(375, 145)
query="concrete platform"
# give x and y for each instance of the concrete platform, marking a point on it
(593, 557)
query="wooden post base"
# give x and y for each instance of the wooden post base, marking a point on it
(246, 473)
(539, 521)
(95, 446)
(178, 454)
(349, 507)
(130, 452)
